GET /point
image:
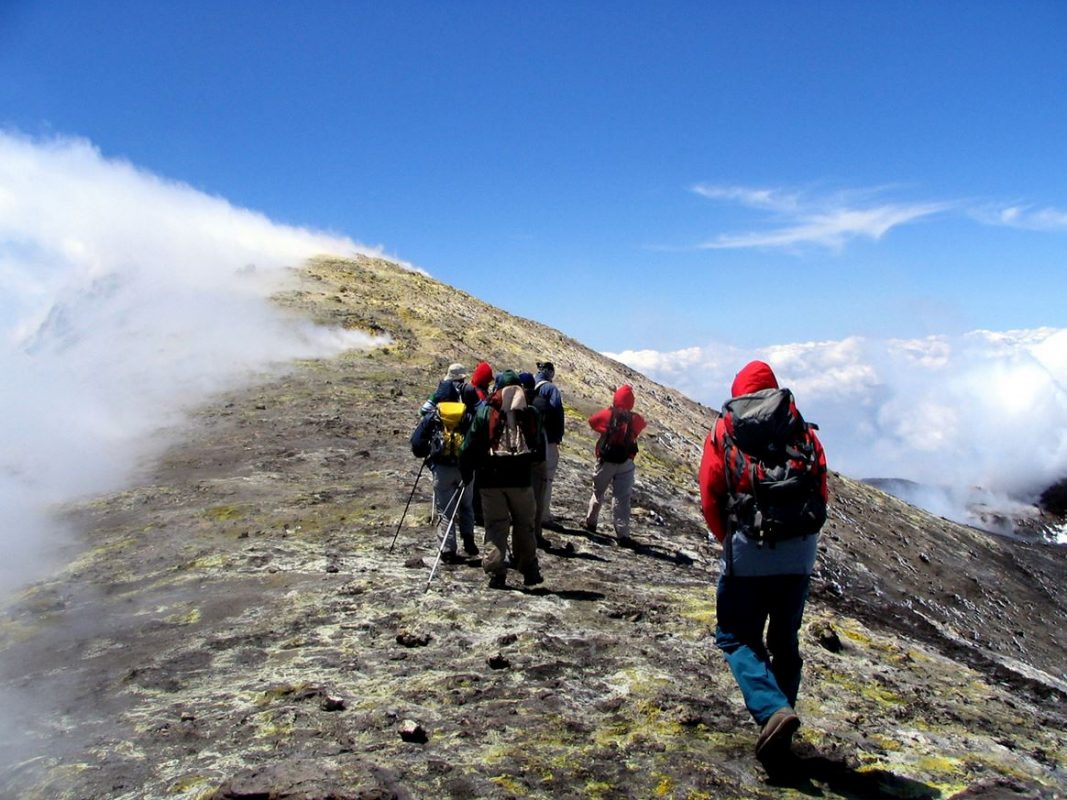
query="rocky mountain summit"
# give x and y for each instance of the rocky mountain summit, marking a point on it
(235, 625)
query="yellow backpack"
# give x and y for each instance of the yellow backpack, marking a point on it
(451, 416)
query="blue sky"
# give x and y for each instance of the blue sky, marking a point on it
(851, 191)
(638, 175)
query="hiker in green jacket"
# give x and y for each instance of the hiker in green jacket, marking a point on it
(500, 445)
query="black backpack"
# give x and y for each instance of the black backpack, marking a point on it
(617, 443)
(773, 473)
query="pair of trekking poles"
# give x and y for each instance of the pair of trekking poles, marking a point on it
(457, 497)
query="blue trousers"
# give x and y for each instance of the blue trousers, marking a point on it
(767, 671)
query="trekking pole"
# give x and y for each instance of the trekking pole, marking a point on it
(448, 505)
(452, 499)
(433, 508)
(458, 497)
(425, 461)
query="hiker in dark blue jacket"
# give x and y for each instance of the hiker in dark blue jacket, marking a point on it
(438, 438)
(537, 474)
(551, 407)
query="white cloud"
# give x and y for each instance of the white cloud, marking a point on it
(771, 199)
(124, 298)
(832, 229)
(798, 219)
(981, 410)
(1025, 217)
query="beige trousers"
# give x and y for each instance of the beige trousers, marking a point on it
(620, 477)
(509, 510)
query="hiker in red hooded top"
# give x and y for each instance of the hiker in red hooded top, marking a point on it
(769, 532)
(619, 428)
(481, 378)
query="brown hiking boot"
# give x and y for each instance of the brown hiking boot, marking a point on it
(498, 580)
(777, 734)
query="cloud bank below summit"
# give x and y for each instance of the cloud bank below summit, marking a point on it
(982, 410)
(124, 299)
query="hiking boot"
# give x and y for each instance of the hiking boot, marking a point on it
(498, 580)
(543, 543)
(776, 736)
(532, 577)
(452, 557)
(469, 547)
(591, 528)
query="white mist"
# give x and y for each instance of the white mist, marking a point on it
(124, 299)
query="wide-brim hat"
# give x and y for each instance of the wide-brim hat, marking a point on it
(456, 372)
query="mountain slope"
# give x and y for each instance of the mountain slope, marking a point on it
(238, 627)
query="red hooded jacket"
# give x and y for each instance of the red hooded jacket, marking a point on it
(624, 399)
(481, 378)
(753, 376)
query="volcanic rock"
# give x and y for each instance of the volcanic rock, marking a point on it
(953, 640)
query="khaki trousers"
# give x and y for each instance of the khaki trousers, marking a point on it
(509, 510)
(620, 477)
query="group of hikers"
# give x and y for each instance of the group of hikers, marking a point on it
(492, 443)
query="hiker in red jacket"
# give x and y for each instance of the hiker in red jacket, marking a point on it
(619, 428)
(769, 531)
